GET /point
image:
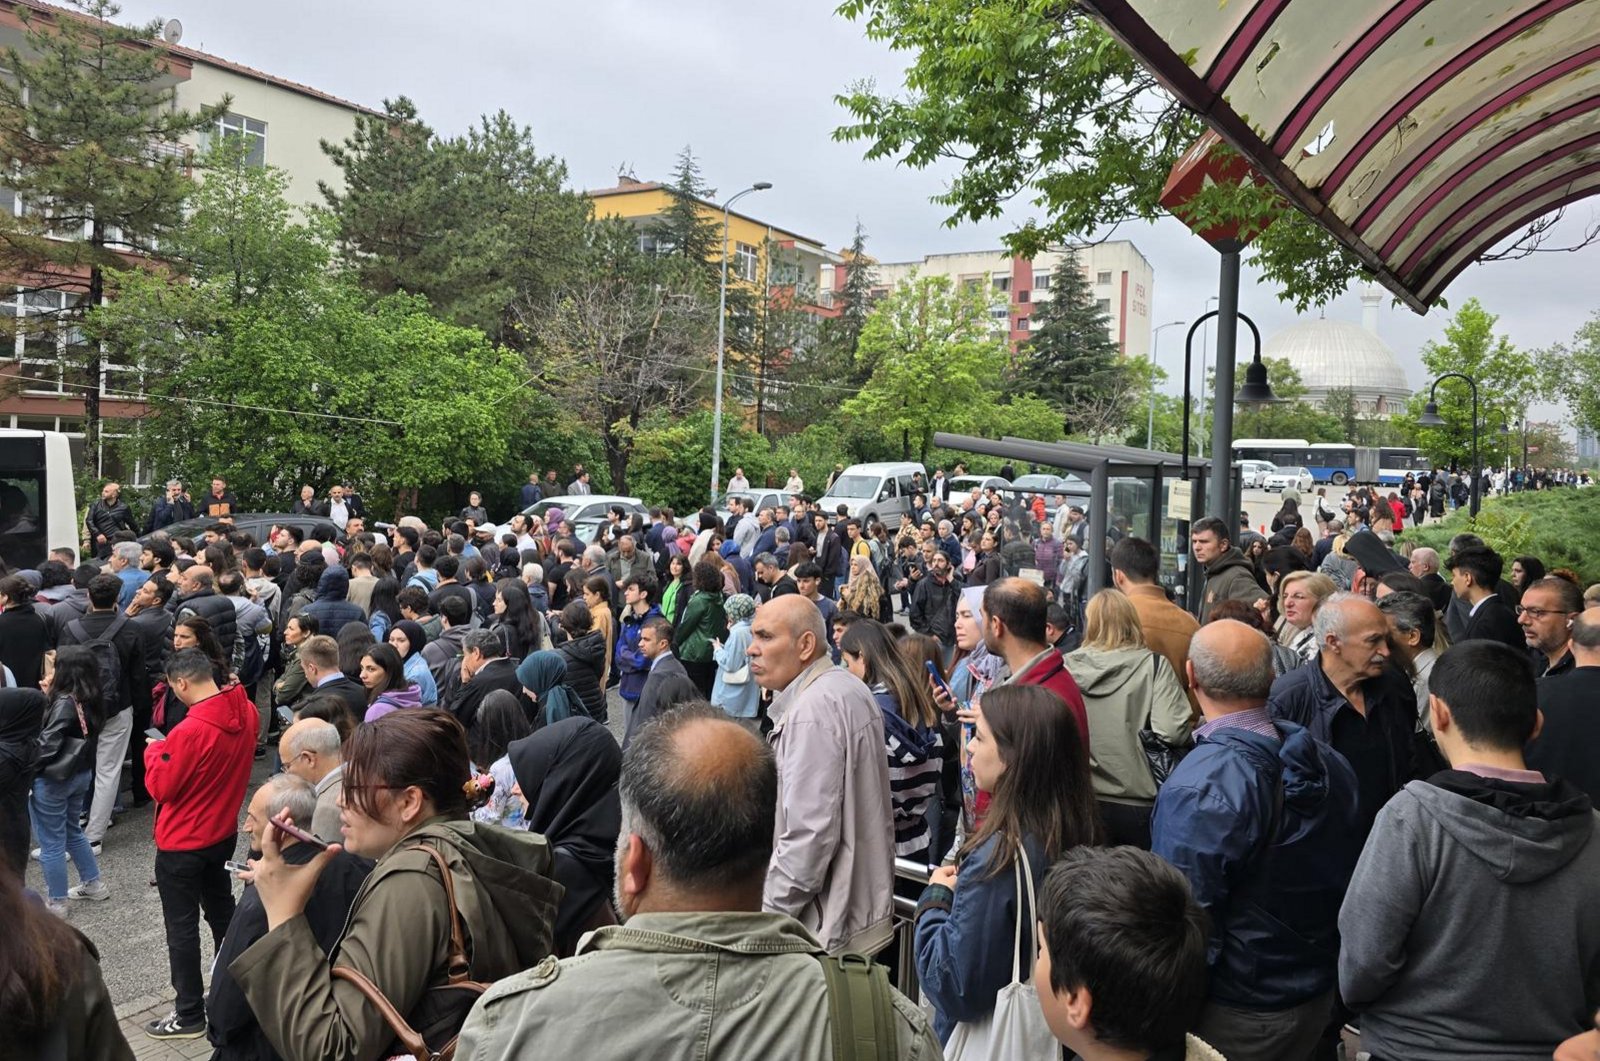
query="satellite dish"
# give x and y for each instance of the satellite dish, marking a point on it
(172, 32)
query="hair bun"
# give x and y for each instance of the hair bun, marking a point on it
(478, 790)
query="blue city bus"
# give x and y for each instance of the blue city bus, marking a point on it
(1396, 462)
(1337, 463)
(1332, 462)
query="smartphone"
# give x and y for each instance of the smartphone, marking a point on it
(286, 714)
(299, 834)
(938, 679)
(236, 867)
(154, 734)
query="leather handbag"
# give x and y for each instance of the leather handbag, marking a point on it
(1162, 758)
(69, 760)
(446, 1005)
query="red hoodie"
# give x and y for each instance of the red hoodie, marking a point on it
(1051, 672)
(199, 774)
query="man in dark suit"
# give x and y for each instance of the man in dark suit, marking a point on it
(1569, 743)
(319, 658)
(1474, 574)
(484, 668)
(1424, 563)
(1455, 615)
(666, 684)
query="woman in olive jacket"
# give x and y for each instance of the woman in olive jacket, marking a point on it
(407, 792)
(703, 622)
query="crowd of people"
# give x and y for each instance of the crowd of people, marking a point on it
(1349, 793)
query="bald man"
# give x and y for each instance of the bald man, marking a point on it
(197, 595)
(832, 863)
(1264, 821)
(1569, 744)
(1356, 698)
(699, 799)
(310, 750)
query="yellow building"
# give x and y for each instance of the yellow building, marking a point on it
(800, 259)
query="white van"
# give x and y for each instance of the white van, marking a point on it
(876, 493)
(38, 504)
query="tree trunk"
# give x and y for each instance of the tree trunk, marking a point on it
(93, 360)
(616, 459)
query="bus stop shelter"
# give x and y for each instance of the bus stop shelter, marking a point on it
(1140, 492)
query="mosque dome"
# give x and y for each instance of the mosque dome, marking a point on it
(1332, 355)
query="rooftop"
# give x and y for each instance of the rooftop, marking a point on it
(629, 186)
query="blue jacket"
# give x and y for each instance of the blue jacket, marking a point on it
(1270, 870)
(632, 667)
(739, 700)
(332, 608)
(966, 939)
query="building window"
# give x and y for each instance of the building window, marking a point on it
(1041, 281)
(1103, 276)
(1022, 324)
(1002, 283)
(1022, 296)
(999, 313)
(255, 132)
(1103, 305)
(746, 262)
(648, 244)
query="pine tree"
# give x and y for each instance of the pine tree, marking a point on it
(1069, 359)
(686, 229)
(88, 142)
(855, 300)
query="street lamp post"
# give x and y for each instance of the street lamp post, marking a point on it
(722, 350)
(1150, 427)
(1205, 357)
(1430, 418)
(1256, 391)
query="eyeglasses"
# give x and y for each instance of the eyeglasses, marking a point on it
(1540, 613)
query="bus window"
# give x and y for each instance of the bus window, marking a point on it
(38, 510)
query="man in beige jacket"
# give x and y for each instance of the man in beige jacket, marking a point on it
(696, 969)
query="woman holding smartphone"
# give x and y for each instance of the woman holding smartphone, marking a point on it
(407, 797)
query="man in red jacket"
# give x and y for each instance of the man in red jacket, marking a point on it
(1014, 620)
(197, 776)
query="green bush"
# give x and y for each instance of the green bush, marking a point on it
(671, 462)
(1560, 527)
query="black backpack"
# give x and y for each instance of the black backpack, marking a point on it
(107, 657)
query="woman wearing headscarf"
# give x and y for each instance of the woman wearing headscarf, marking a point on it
(544, 679)
(408, 637)
(732, 690)
(567, 773)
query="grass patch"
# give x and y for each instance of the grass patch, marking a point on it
(1560, 527)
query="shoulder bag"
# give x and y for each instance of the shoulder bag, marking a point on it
(1015, 1030)
(443, 1007)
(1161, 757)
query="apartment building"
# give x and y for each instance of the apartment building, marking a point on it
(284, 123)
(1120, 277)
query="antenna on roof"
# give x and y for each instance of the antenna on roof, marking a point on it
(172, 32)
(626, 170)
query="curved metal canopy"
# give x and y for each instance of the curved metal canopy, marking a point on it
(1419, 132)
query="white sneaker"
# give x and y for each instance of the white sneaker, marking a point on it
(94, 890)
(57, 907)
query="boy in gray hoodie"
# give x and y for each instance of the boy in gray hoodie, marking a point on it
(1472, 925)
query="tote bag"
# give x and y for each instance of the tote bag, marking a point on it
(1015, 1030)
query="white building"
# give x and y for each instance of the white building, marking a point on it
(1121, 279)
(1335, 355)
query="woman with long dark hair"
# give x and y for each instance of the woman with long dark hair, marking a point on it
(913, 741)
(53, 1000)
(567, 773)
(703, 622)
(501, 721)
(408, 793)
(514, 618)
(24, 635)
(353, 638)
(385, 609)
(72, 726)
(383, 674)
(675, 595)
(1029, 754)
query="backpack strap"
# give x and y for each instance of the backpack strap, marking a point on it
(861, 1005)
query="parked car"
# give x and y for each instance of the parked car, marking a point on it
(878, 492)
(757, 499)
(1253, 473)
(1057, 491)
(586, 507)
(256, 524)
(1289, 478)
(963, 484)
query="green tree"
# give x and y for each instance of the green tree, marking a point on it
(685, 230)
(1571, 373)
(1507, 380)
(265, 364)
(1289, 417)
(1036, 100)
(1340, 404)
(476, 223)
(1070, 359)
(625, 339)
(671, 462)
(939, 363)
(88, 141)
(855, 305)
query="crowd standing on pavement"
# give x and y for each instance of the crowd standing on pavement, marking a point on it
(1351, 793)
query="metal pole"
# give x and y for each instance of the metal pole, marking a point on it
(1205, 359)
(1150, 426)
(722, 350)
(1477, 473)
(1223, 503)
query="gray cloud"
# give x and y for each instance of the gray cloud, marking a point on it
(751, 87)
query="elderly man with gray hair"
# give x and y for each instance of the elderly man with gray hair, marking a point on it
(1355, 697)
(1263, 820)
(124, 564)
(231, 1025)
(1424, 563)
(310, 750)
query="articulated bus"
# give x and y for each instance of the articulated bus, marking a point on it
(1337, 463)
(38, 505)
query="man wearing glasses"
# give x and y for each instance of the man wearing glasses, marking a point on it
(1546, 614)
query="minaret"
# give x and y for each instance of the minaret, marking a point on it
(1371, 299)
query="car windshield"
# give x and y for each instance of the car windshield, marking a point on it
(1034, 482)
(854, 486)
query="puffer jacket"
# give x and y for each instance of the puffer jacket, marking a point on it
(632, 667)
(332, 607)
(1124, 691)
(586, 660)
(223, 617)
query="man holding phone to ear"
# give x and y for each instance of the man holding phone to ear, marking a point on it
(198, 776)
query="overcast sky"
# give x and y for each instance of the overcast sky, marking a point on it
(608, 83)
